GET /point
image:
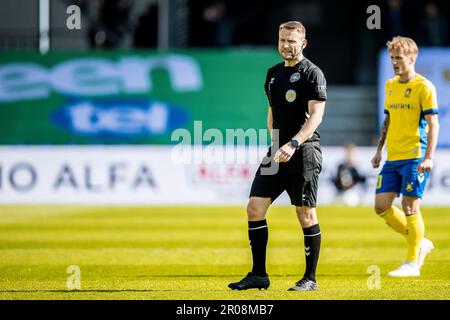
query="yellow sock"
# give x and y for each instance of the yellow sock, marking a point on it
(420, 221)
(396, 219)
(415, 230)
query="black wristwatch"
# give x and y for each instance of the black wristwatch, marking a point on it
(295, 144)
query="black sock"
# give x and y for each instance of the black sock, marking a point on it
(312, 247)
(258, 235)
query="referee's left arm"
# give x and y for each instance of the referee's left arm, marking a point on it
(316, 110)
(317, 95)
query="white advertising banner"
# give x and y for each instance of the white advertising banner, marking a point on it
(161, 175)
(126, 175)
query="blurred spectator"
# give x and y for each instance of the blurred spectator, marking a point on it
(434, 27)
(217, 25)
(111, 28)
(347, 178)
(395, 24)
(146, 35)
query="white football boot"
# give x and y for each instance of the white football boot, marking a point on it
(425, 248)
(407, 269)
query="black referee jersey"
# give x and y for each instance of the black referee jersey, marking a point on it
(288, 90)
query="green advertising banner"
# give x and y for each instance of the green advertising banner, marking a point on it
(136, 97)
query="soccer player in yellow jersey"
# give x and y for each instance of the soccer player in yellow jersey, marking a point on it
(410, 130)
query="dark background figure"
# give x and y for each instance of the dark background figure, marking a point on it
(111, 27)
(214, 27)
(347, 176)
(395, 22)
(145, 34)
(434, 27)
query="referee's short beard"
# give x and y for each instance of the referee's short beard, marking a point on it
(296, 56)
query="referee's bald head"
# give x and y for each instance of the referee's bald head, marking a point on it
(294, 25)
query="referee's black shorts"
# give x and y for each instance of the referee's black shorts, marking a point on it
(299, 177)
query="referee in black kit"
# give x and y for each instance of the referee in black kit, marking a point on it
(296, 90)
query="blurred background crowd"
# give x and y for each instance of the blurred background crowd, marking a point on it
(337, 30)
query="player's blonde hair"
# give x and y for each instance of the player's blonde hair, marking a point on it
(405, 45)
(294, 25)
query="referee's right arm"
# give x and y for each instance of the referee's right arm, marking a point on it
(270, 121)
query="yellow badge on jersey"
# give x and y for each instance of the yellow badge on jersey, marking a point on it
(408, 92)
(291, 95)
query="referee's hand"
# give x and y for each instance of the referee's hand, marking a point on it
(284, 153)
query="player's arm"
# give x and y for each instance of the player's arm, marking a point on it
(433, 132)
(316, 110)
(270, 121)
(383, 133)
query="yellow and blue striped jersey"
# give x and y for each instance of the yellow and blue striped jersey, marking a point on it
(407, 104)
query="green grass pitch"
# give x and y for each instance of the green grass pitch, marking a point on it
(176, 253)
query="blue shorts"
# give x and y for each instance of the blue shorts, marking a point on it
(402, 177)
